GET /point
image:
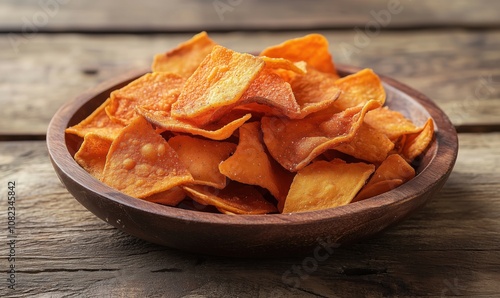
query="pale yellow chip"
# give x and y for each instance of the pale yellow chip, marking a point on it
(323, 185)
(186, 57)
(140, 162)
(216, 85)
(202, 158)
(251, 164)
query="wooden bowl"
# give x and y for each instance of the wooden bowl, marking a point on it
(254, 235)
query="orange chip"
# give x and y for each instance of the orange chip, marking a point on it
(392, 123)
(416, 143)
(202, 158)
(140, 162)
(236, 198)
(98, 123)
(250, 164)
(377, 188)
(220, 130)
(186, 57)
(359, 88)
(171, 197)
(391, 173)
(314, 91)
(216, 85)
(323, 185)
(92, 154)
(271, 91)
(153, 90)
(285, 64)
(312, 48)
(368, 144)
(294, 143)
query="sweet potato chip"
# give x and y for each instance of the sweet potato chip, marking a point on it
(186, 57)
(202, 158)
(250, 164)
(368, 144)
(323, 185)
(392, 123)
(299, 67)
(312, 48)
(393, 172)
(153, 90)
(377, 188)
(294, 143)
(218, 83)
(98, 123)
(314, 91)
(170, 197)
(415, 144)
(140, 162)
(92, 154)
(359, 88)
(236, 198)
(220, 130)
(274, 95)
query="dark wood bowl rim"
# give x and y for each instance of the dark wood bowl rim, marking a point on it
(439, 166)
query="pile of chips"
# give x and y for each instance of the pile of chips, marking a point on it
(278, 132)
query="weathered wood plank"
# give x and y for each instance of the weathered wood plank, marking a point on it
(448, 248)
(459, 70)
(228, 15)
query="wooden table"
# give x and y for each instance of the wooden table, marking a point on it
(50, 51)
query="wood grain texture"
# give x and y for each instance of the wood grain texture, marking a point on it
(458, 70)
(449, 248)
(230, 15)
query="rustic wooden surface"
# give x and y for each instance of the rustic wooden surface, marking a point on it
(448, 50)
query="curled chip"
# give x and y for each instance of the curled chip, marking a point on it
(245, 134)
(393, 172)
(314, 91)
(235, 198)
(219, 130)
(202, 158)
(251, 164)
(324, 184)
(294, 143)
(140, 162)
(416, 143)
